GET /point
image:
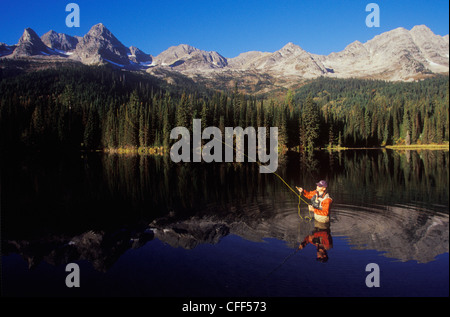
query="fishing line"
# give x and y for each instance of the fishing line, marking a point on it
(300, 199)
(282, 263)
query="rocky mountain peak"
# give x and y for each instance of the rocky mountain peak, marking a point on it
(177, 52)
(355, 49)
(139, 57)
(59, 41)
(186, 57)
(399, 54)
(99, 45)
(28, 36)
(185, 48)
(434, 48)
(30, 44)
(99, 29)
(291, 47)
(354, 45)
(422, 29)
(99, 33)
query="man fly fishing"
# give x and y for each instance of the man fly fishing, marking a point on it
(320, 201)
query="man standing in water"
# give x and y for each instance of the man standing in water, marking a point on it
(320, 201)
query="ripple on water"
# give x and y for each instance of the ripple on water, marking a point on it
(403, 232)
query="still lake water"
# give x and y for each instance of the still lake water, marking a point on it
(145, 226)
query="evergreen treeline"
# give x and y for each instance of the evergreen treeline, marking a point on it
(355, 112)
(75, 107)
(99, 107)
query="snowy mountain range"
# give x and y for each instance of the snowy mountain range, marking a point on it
(397, 55)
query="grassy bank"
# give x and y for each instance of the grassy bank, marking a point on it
(444, 146)
(160, 150)
(155, 150)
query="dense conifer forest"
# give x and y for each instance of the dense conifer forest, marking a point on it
(95, 108)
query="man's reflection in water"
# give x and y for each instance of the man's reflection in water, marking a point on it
(321, 238)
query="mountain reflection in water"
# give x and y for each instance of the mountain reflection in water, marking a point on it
(62, 210)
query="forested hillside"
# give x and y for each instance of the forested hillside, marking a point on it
(103, 108)
(372, 113)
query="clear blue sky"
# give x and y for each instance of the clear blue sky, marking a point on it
(229, 27)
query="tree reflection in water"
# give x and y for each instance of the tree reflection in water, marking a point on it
(53, 208)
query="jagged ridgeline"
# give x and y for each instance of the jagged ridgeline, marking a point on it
(75, 106)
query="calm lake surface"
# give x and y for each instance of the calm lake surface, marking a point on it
(147, 227)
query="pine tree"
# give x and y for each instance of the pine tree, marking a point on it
(110, 130)
(131, 124)
(183, 112)
(310, 123)
(290, 102)
(37, 126)
(367, 125)
(281, 123)
(166, 128)
(91, 131)
(204, 115)
(406, 127)
(143, 127)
